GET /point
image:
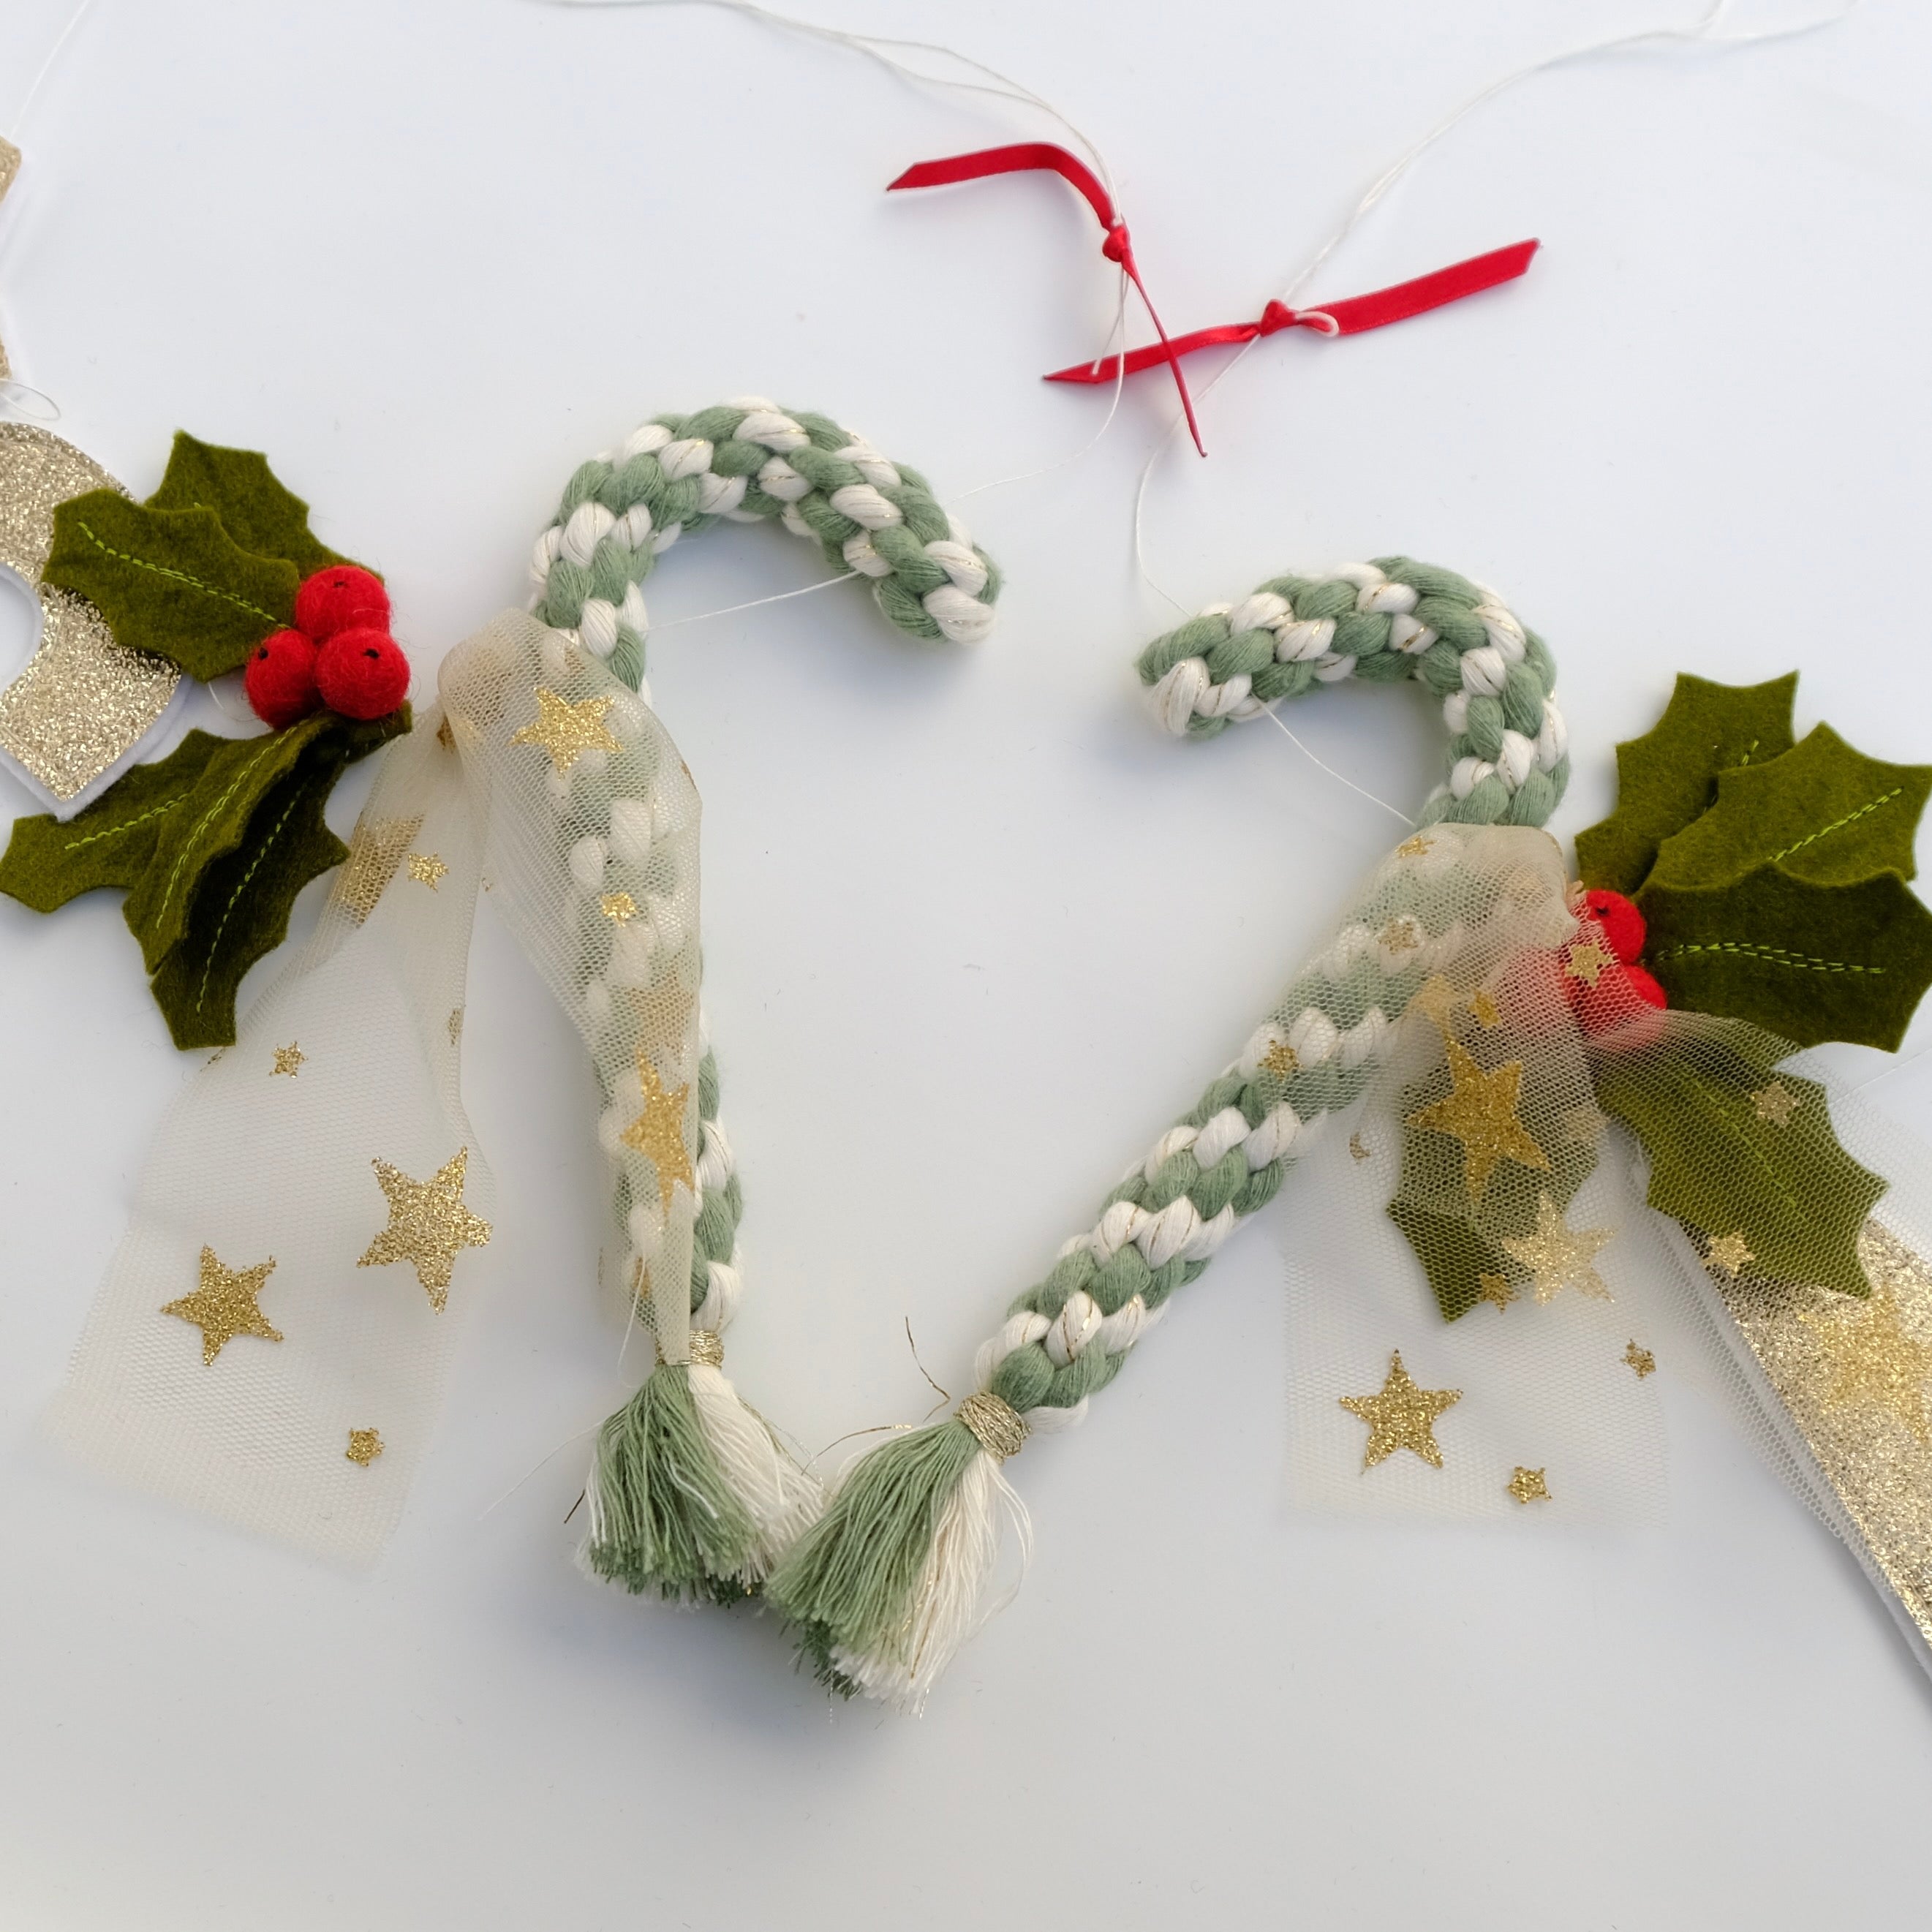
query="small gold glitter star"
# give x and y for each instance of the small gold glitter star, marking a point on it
(1728, 1253)
(288, 1059)
(428, 1225)
(364, 1446)
(1586, 960)
(1559, 1256)
(1527, 1486)
(658, 1132)
(1480, 1111)
(1401, 1416)
(565, 730)
(1402, 935)
(426, 868)
(376, 849)
(225, 1306)
(619, 907)
(454, 1024)
(1496, 1288)
(1641, 1360)
(1776, 1103)
(1873, 1360)
(1281, 1060)
(1485, 1008)
(1359, 1149)
(1414, 847)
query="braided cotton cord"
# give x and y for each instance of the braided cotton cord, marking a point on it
(1381, 622)
(748, 461)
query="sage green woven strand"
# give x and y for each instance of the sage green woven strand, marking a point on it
(750, 461)
(1499, 702)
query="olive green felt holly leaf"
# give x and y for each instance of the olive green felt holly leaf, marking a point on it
(1737, 1148)
(255, 508)
(170, 581)
(1811, 962)
(1666, 778)
(1823, 811)
(111, 842)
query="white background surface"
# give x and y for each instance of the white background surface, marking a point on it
(976, 931)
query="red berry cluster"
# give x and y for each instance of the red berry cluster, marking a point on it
(1619, 990)
(340, 653)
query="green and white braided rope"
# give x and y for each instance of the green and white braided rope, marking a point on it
(889, 1582)
(690, 1494)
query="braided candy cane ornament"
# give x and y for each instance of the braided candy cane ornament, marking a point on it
(890, 1581)
(691, 1495)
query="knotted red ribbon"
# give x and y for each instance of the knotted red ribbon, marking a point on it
(1352, 317)
(1117, 246)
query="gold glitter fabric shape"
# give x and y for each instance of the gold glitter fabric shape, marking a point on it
(453, 1026)
(1480, 1110)
(1728, 1253)
(1775, 1103)
(364, 1446)
(1641, 1360)
(566, 730)
(1401, 1416)
(1281, 1060)
(288, 1060)
(1559, 1256)
(1585, 961)
(658, 1133)
(426, 868)
(376, 849)
(1483, 1006)
(1402, 934)
(1414, 847)
(1528, 1486)
(226, 1304)
(1496, 1289)
(83, 702)
(1359, 1149)
(618, 907)
(429, 1225)
(1870, 1358)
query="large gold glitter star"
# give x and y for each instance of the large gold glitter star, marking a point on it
(224, 1305)
(1401, 1416)
(1527, 1486)
(288, 1059)
(658, 1132)
(428, 1225)
(566, 730)
(1480, 1111)
(1559, 1256)
(1776, 1103)
(1873, 1360)
(376, 849)
(1728, 1253)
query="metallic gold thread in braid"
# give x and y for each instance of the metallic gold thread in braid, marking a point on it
(996, 1426)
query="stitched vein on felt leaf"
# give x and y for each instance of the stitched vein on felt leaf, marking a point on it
(127, 824)
(1838, 824)
(180, 577)
(1772, 956)
(208, 818)
(1701, 1096)
(241, 886)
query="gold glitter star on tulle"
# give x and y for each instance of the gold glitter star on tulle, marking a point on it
(1873, 1360)
(428, 1225)
(288, 1059)
(1281, 1060)
(1414, 847)
(566, 730)
(1559, 1256)
(1586, 960)
(426, 868)
(1527, 1486)
(658, 1132)
(364, 1446)
(1728, 1253)
(1480, 1111)
(1776, 1103)
(225, 1305)
(1401, 1416)
(1641, 1360)
(1496, 1289)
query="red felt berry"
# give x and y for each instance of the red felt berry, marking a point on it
(362, 673)
(1621, 1008)
(1622, 924)
(341, 597)
(280, 678)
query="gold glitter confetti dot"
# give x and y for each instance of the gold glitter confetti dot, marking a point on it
(658, 1132)
(1281, 1060)
(364, 1446)
(1641, 1360)
(1480, 1111)
(1527, 1486)
(1585, 962)
(1496, 1289)
(426, 868)
(1559, 1256)
(1402, 935)
(288, 1060)
(225, 1305)
(1728, 1253)
(428, 1225)
(1401, 1416)
(565, 730)
(1776, 1103)
(619, 907)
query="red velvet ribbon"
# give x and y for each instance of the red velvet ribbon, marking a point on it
(1340, 318)
(1117, 247)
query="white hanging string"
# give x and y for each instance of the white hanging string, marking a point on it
(53, 54)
